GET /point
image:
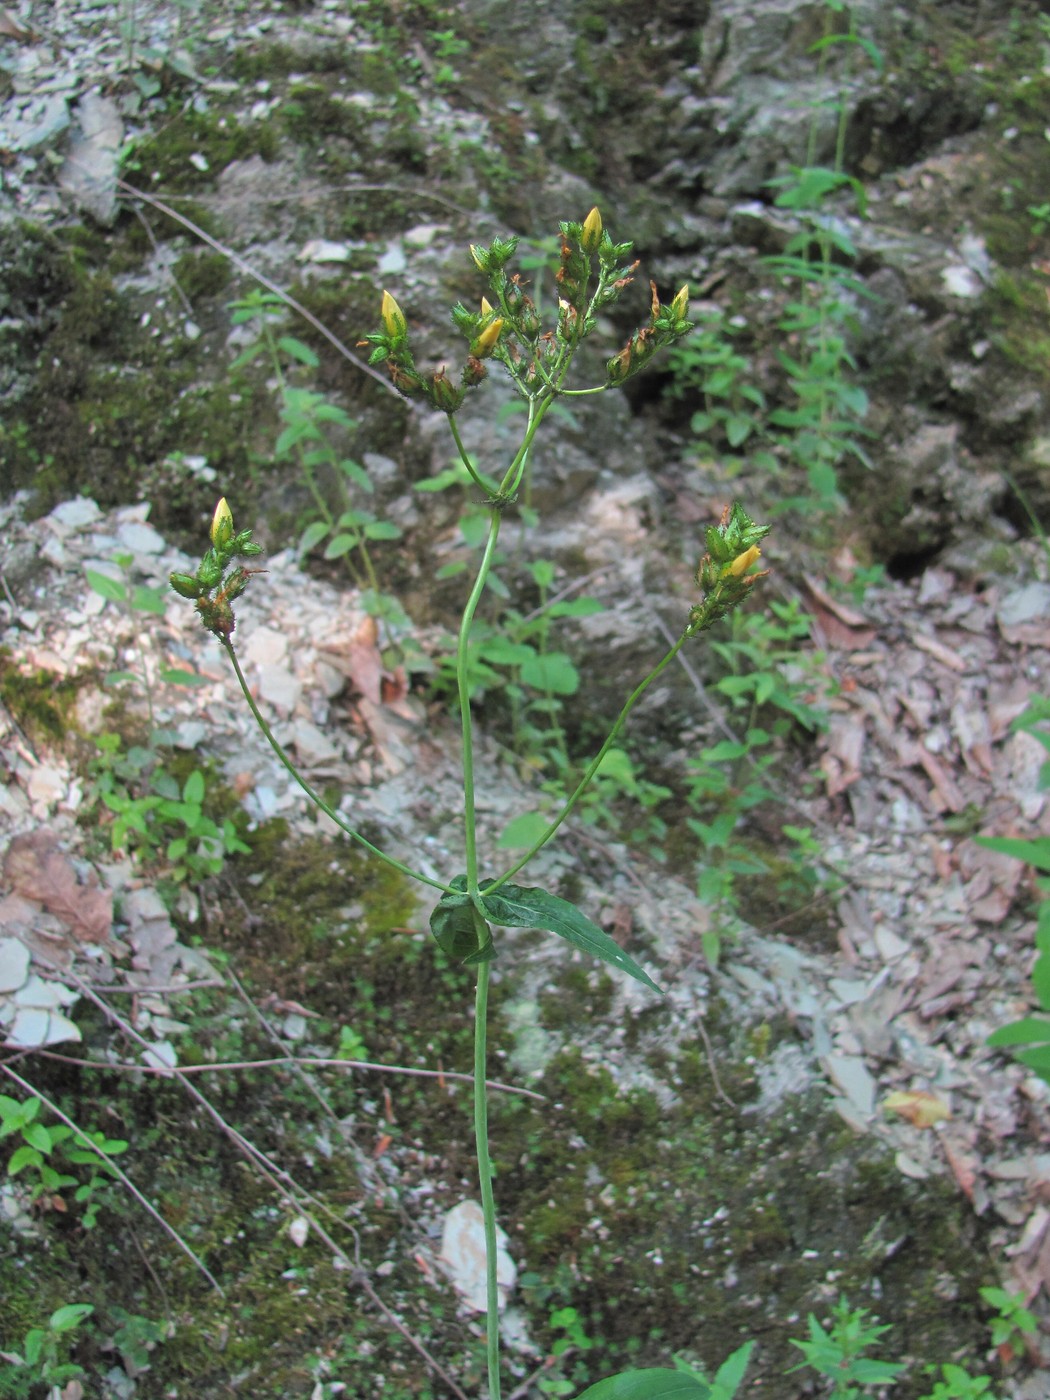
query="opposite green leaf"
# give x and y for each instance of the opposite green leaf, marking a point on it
(519, 906)
(654, 1383)
(460, 930)
(105, 587)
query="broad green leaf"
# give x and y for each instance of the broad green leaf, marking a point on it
(1024, 1032)
(23, 1156)
(298, 350)
(1041, 980)
(311, 536)
(519, 906)
(117, 677)
(576, 607)
(109, 588)
(350, 518)
(552, 672)
(654, 1383)
(501, 651)
(151, 600)
(460, 930)
(1038, 1058)
(730, 1374)
(382, 530)
(723, 752)
(523, 831)
(738, 429)
(71, 1315)
(194, 787)
(356, 473)
(1035, 851)
(340, 545)
(175, 675)
(41, 1137)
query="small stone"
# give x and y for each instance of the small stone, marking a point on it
(463, 1256)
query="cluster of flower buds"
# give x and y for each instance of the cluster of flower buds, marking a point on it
(667, 323)
(212, 588)
(724, 576)
(507, 327)
(390, 343)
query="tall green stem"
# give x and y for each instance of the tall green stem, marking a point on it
(463, 688)
(488, 1203)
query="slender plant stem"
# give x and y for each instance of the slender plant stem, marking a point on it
(595, 763)
(464, 456)
(488, 1203)
(312, 793)
(463, 688)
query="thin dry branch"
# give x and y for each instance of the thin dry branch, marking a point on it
(263, 281)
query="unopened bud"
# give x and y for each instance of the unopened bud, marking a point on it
(486, 341)
(592, 231)
(209, 571)
(743, 562)
(680, 305)
(185, 585)
(486, 307)
(619, 366)
(236, 584)
(222, 525)
(473, 372)
(480, 256)
(443, 394)
(393, 318)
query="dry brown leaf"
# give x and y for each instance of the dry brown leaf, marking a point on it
(946, 655)
(840, 763)
(920, 1107)
(945, 790)
(963, 1165)
(37, 869)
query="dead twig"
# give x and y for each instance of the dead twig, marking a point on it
(263, 281)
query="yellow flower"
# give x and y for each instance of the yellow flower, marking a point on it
(393, 317)
(743, 562)
(592, 231)
(222, 525)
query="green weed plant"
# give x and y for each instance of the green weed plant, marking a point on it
(473, 905)
(156, 816)
(52, 1158)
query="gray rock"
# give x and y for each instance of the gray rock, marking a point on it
(89, 175)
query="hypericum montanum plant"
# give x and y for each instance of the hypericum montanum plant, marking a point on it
(507, 329)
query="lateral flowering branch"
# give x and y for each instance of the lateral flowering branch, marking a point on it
(724, 575)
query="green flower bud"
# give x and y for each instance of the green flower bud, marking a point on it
(235, 584)
(222, 525)
(591, 234)
(443, 394)
(209, 571)
(393, 318)
(186, 586)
